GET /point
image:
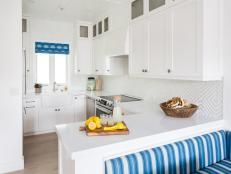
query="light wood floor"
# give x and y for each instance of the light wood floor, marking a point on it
(40, 154)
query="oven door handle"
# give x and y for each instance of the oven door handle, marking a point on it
(103, 109)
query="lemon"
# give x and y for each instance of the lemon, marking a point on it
(92, 126)
(118, 126)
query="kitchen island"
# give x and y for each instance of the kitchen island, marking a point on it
(80, 154)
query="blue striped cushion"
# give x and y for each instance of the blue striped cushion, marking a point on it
(228, 142)
(222, 167)
(186, 156)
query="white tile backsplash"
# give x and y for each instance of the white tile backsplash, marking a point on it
(207, 95)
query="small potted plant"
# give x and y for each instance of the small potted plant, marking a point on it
(38, 88)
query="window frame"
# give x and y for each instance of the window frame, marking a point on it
(52, 70)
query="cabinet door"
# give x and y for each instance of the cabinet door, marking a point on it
(84, 56)
(99, 55)
(184, 39)
(80, 108)
(117, 42)
(137, 8)
(138, 46)
(47, 119)
(159, 43)
(154, 4)
(64, 115)
(30, 119)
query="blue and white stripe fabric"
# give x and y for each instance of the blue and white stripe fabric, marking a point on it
(182, 157)
(222, 167)
(228, 142)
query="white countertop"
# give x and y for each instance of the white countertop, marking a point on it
(141, 125)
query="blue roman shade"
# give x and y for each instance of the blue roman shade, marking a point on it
(51, 48)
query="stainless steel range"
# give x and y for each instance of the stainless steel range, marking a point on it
(105, 104)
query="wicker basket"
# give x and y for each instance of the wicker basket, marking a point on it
(180, 112)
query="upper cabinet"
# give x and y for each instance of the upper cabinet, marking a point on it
(138, 47)
(137, 8)
(178, 42)
(83, 56)
(154, 4)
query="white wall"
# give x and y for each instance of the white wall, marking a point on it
(227, 60)
(11, 157)
(54, 31)
(207, 95)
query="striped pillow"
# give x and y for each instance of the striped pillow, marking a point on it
(182, 157)
(228, 142)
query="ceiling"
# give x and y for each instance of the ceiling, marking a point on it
(67, 9)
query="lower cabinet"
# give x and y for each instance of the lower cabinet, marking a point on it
(30, 120)
(40, 118)
(47, 119)
(80, 108)
(64, 115)
(50, 117)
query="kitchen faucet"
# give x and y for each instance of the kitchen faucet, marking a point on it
(54, 87)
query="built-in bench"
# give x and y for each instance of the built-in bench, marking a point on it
(206, 154)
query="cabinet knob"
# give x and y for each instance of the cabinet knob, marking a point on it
(169, 70)
(145, 70)
(78, 70)
(96, 70)
(108, 70)
(142, 70)
(76, 98)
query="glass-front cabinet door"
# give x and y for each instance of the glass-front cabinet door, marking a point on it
(137, 7)
(154, 4)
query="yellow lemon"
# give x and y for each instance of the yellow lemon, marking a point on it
(91, 125)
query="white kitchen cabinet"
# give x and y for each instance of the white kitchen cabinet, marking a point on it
(83, 56)
(117, 42)
(158, 62)
(30, 115)
(30, 121)
(47, 119)
(99, 55)
(185, 61)
(138, 62)
(79, 108)
(50, 117)
(182, 41)
(64, 115)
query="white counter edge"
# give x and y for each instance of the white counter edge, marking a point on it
(131, 146)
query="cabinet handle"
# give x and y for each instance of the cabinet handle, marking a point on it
(96, 70)
(30, 101)
(145, 70)
(78, 70)
(169, 70)
(30, 107)
(108, 70)
(142, 70)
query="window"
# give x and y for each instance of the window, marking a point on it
(43, 68)
(51, 68)
(60, 68)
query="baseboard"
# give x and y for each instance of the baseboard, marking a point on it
(38, 133)
(11, 166)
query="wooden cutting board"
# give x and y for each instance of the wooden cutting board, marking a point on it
(101, 132)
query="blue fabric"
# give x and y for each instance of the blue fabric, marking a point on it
(182, 157)
(51, 48)
(228, 144)
(222, 167)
